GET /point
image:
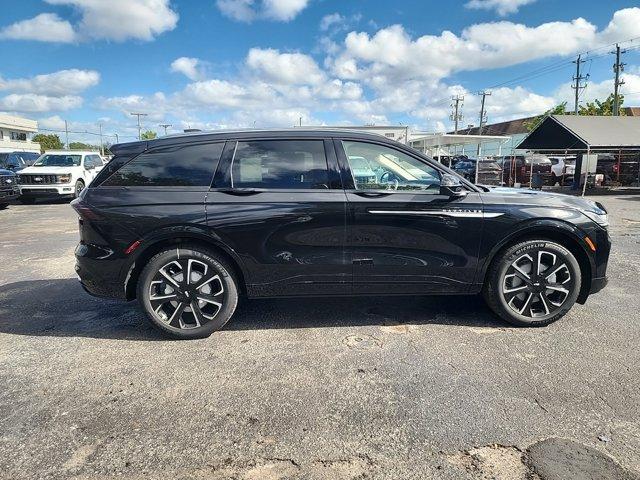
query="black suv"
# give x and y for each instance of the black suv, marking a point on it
(187, 223)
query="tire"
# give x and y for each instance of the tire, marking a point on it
(79, 186)
(515, 284)
(27, 200)
(163, 300)
(3, 206)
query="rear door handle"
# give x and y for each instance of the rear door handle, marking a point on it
(241, 192)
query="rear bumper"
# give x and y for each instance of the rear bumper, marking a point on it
(598, 284)
(98, 275)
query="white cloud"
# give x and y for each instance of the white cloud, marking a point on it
(250, 10)
(61, 83)
(331, 20)
(286, 68)
(393, 54)
(46, 27)
(116, 20)
(55, 122)
(283, 10)
(31, 102)
(503, 7)
(192, 68)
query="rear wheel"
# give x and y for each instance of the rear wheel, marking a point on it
(187, 292)
(533, 283)
(3, 206)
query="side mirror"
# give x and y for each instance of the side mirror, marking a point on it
(451, 186)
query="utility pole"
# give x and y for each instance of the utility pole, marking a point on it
(139, 127)
(165, 126)
(577, 86)
(483, 120)
(618, 68)
(66, 132)
(101, 143)
(456, 115)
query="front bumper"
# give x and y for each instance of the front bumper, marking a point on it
(46, 190)
(8, 194)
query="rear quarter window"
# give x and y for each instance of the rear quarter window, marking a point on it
(178, 166)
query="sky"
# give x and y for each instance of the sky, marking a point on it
(274, 63)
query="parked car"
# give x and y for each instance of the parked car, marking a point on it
(562, 170)
(489, 172)
(59, 173)
(16, 161)
(517, 169)
(8, 187)
(185, 224)
(624, 170)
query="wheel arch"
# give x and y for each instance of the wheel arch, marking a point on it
(152, 247)
(565, 234)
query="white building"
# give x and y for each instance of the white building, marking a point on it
(398, 133)
(16, 134)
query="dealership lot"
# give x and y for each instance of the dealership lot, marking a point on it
(321, 388)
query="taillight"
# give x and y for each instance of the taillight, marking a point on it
(84, 210)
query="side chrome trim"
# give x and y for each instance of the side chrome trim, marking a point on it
(440, 213)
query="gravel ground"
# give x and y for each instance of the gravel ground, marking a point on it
(431, 387)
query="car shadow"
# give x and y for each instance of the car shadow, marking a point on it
(60, 308)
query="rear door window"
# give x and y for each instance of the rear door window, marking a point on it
(176, 166)
(280, 164)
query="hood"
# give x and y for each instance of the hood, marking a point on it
(4, 172)
(519, 196)
(46, 170)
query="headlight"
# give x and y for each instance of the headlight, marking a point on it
(64, 178)
(600, 217)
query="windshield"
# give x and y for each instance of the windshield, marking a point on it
(58, 160)
(10, 160)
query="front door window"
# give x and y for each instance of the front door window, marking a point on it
(377, 167)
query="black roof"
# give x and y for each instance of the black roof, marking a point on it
(580, 133)
(217, 135)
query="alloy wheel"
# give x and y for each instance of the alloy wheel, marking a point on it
(186, 293)
(537, 284)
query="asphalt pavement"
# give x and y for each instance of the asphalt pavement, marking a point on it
(397, 388)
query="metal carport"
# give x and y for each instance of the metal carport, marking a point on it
(579, 135)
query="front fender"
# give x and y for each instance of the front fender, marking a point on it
(530, 228)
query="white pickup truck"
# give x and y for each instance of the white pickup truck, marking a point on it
(59, 173)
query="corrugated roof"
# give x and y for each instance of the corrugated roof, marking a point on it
(581, 132)
(603, 131)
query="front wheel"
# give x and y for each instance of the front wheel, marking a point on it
(187, 292)
(533, 283)
(78, 188)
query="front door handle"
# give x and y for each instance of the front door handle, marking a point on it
(370, 194)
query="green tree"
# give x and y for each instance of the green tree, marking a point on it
(605, 107)
(557, 110)
(148, 135)
(49, 141)
(82, 146)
